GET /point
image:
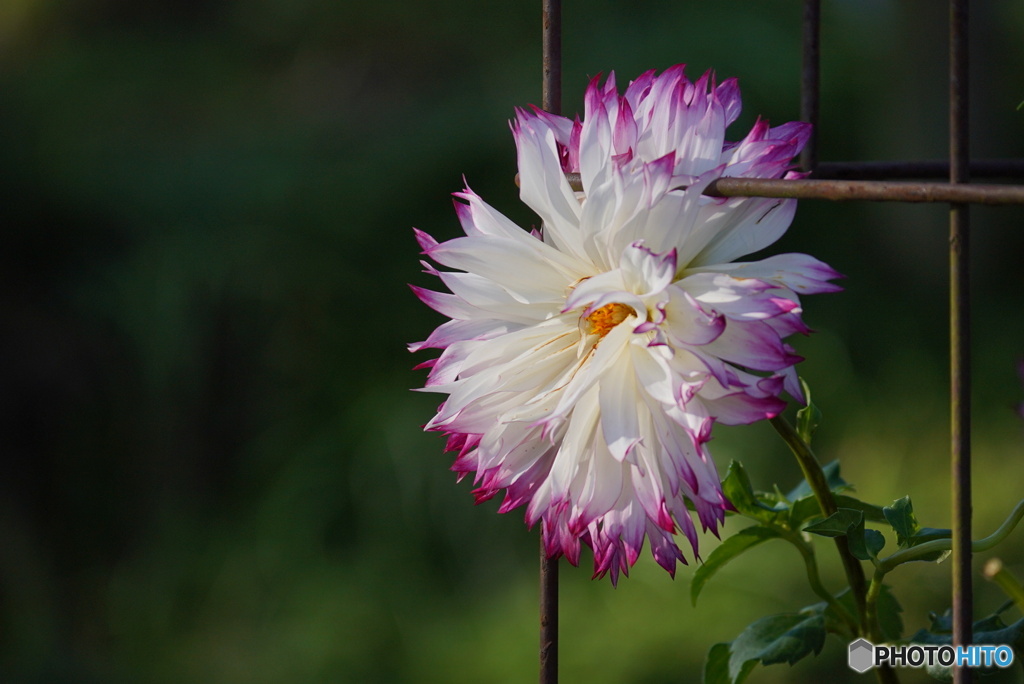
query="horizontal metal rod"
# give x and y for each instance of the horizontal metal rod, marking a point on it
(938, 168)
(876, 191)
(846, 190)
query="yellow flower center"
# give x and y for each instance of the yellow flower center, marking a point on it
(607, 317)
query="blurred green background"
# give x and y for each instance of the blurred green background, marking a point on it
(213, 470)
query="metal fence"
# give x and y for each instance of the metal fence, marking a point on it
(901, 181)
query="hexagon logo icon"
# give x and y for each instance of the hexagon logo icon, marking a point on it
(862, 655)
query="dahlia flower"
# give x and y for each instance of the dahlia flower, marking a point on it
(586, 362)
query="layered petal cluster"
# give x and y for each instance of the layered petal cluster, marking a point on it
(585, 363)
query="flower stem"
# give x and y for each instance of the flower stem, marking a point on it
(814, 579)
(808, 464)
(871, 603)
(885, 674)
(819, 485)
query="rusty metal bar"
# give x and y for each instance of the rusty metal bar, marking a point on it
(959, 328)
(878, 191)
(938, 168)
(810, 100)
(844, 190)
(551, 47)
(548, 617)
(810, 81)
(551, 100)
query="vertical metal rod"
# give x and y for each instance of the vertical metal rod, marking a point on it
(551, 46)
(959, 326)
(551, 100)
(548, 617)
(810, 80)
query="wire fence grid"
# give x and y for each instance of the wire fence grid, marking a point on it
(898, 181)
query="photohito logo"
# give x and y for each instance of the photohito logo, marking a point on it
(863, 655)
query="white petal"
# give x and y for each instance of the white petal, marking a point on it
(619, 402)
(751, 225)
(543, 187)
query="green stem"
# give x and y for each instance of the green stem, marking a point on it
(819, 485)
(814, 579)
(808, 465)
(871, 601)
(1000, 534)
(995, 572)
(885, 674)
(921, 550)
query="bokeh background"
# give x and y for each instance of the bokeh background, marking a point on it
(212, 465)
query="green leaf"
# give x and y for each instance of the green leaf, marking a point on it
(989, 630)
(909, 533)
(940, 672)
(890, 620)
(807, 508)
(875, 542)
(716, 667)
(990, 623)
(871, 511)
(901, 516)
(832, 478)
(736, 487)
(802, 510)
(941, 624)
(849, 522)
(857, 540)
(837, 524)
(729, 549)
(784, 638)
(808, 418)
